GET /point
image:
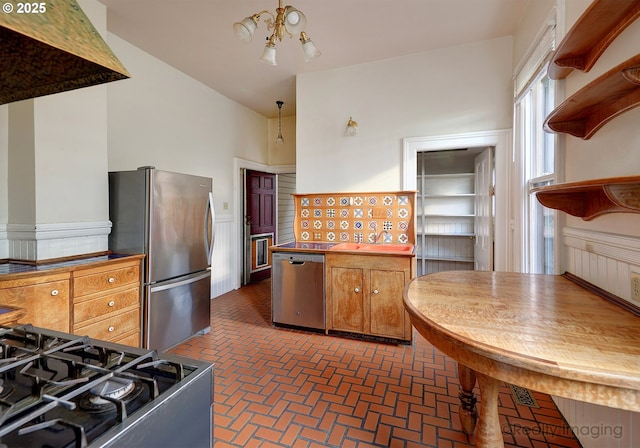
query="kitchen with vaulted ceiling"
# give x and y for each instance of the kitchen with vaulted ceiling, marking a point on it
(420, 248)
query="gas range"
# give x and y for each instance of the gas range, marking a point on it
(61, 390)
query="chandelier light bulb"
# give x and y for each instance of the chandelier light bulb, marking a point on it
(308, 48)
(288, 20)
(244, 29)
(269, 53)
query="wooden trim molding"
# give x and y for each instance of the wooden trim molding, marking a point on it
(602, 293)
(592, 33)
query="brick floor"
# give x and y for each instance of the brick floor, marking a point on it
(278, 387)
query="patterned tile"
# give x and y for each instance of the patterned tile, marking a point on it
(395, 209)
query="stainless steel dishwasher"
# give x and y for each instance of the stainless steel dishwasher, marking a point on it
(297, 289)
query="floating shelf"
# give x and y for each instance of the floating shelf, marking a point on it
(594, 31)
(598, 102)
(592, 198)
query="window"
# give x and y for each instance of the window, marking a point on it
(535, 99)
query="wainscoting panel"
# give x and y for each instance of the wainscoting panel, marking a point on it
(4, 242)
(606, 260)
(223, 273)
(39, 242)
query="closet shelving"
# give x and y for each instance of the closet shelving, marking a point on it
(445, 222)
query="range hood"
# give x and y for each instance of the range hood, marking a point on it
(51, 50)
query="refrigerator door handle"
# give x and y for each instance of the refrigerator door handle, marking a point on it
(173, 284)
(210, 212)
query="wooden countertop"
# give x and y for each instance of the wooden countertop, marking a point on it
(543, 332)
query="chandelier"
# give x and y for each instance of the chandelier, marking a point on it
(286, 20)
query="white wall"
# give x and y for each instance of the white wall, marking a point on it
(448, 91)
(56, 157)
(164, 118)
(605, 250)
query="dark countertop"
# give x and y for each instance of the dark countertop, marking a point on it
(13, 267)
(323, 247)
(303, 246)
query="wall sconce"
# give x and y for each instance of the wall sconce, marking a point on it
(352, 128)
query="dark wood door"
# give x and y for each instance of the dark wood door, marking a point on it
(261, 220)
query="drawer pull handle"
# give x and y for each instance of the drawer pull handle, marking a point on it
(357, 290)
(112, 303)
(112, 280)
(375, 291)
(54, 292)
(111, 329)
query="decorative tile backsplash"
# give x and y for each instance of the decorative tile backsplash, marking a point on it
(355, 217)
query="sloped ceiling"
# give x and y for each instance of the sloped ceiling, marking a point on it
(196, 37)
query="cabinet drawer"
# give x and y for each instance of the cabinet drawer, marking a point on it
(113, 327)
(105, 281)
(102, 306)
(132, 340)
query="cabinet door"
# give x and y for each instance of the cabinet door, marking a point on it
(347, 299)
(386, 307)
(46, 304)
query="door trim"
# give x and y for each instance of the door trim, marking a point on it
(502, 141)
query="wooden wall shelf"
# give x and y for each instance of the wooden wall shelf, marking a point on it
(598, 102)
(594, 31)
(592, 198)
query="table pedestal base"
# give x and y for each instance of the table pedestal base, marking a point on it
(488, 422)
(467, 411)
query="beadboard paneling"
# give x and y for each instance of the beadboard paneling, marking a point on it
(286, 208)
(606, 260)
(223, 259)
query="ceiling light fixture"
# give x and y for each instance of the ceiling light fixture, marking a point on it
(287, 20)
(279, 138)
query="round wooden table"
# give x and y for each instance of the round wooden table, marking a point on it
(542, 332)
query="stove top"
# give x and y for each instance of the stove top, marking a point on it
(60, 390)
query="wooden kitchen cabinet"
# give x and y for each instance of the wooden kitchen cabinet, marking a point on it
(44, 297)
(106, 301)
(364, 294)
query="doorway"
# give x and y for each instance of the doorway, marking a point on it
(501, 141)
(454, 210)
(259, 223)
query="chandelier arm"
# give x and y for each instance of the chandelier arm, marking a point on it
(258, 14)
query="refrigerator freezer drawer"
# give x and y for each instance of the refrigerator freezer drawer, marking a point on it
(177, 309)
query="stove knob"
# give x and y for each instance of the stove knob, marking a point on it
(54, 292)
(111, 329)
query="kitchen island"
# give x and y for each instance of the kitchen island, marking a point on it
(543, 332)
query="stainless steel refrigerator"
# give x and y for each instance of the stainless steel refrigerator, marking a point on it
(170, 218)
